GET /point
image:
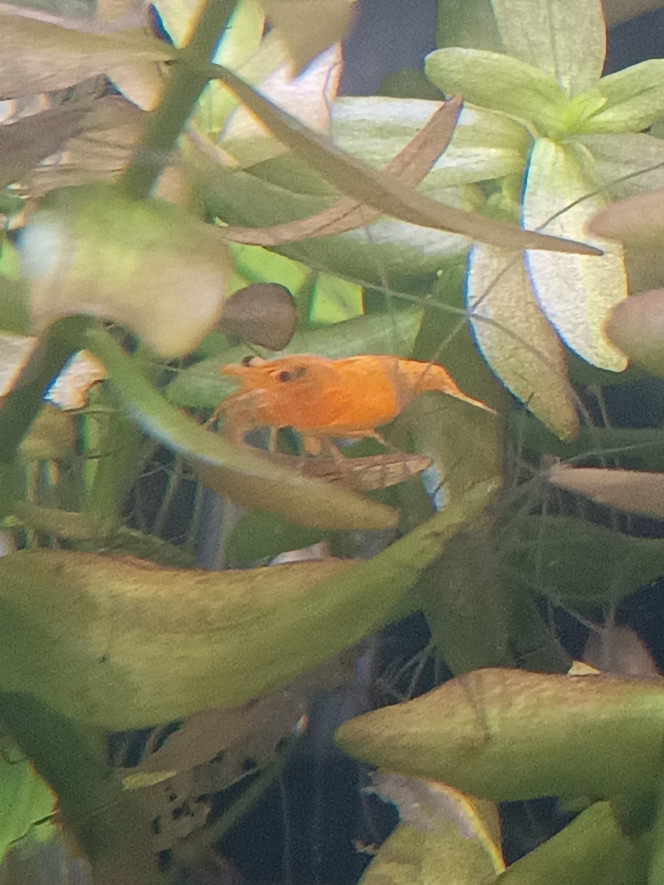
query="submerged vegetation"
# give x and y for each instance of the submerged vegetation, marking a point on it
(196, 193)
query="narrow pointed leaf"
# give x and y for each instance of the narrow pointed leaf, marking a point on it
(506, 734)
(631, 490)
(515, 338)
(499, 82)
(357, 180)
(565, 38)
(235, 471)
(576, 293)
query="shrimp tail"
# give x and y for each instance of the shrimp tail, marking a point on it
(423, 377)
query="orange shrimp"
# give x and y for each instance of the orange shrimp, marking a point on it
(321, 397)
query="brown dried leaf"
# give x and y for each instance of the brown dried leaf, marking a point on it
(26, 142)
(43, 52)
(632, 490)
(410, 166)
(309, 26)
(101, 150)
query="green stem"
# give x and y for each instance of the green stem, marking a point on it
(184, 88)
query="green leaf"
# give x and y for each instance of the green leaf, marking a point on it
(202, 385)
(92, 250)
(634, 98)
(236, 472)
(580, 564)
(484, 145)
(513, 735)
(576, 292)
(565, 38)
(125, 645)
(380, 191)
(260, 536)
(620, 157)
(25, 798)
(515, 338)
(593, 848)
(469, 23)
(501, 83)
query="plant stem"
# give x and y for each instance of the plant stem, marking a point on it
(184, 88)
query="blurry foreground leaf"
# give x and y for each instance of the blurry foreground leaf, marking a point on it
(136, 644)
(630, 490)
(506, 734)
(27, 141)
(636, 326)
(92, 250)
(309, 26)
(44, 52)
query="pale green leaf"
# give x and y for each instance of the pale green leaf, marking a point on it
(563, 37)
(593, 848)
(501, 83)
(506, 734)
(25, 798)
(484, 145)
(629, 164)
(515, 338)
(634, 98)
(577, 292)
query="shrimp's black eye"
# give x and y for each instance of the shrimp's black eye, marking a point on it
(247, 360)
(285, 376)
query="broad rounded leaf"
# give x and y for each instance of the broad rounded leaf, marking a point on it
(506, 734)
(499, 82)
(515, 338)
(634, 98)
(148, 265)
(576, 292)
(566, 38)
